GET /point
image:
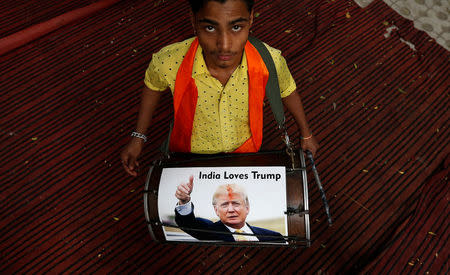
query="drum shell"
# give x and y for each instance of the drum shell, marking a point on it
(296, 185)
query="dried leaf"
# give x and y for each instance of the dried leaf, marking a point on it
(256, 14)
(386, 23)
(34, 138)
(348, 15)
(411, 263)
(401, 91)
(354, 65)
(401, 172)
(322, 97)
(116, 219)
(375, 108)
(288, 31)
(365, 170)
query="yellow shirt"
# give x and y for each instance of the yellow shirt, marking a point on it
(221, 121)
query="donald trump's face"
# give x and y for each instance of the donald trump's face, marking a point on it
(232, 209)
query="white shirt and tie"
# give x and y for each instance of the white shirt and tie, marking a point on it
(242, 238)
(186, 209)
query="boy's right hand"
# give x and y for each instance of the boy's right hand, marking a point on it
(130, 155)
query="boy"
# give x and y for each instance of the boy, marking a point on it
(218, 83)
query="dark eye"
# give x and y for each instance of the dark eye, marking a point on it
(209, 28)
(237, 28)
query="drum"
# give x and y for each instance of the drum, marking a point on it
(269, 194)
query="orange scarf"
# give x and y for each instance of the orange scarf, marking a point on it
(185, 101)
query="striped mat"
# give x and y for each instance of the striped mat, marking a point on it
(18, 15)
(69, 101)
(419, 241)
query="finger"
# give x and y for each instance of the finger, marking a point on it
(181, 188)
(129, 171)
(136, 166)
(184, 189)
(309, 145)
(131, 163)
(191, 183)
(182, 196)
(179, 195)
(127, 165)
(312, 150)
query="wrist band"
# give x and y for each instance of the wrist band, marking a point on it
(139, 135)
(305, 138)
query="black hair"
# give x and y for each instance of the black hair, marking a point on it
(197, 5)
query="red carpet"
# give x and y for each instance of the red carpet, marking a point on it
(69, 100)
(421, 240)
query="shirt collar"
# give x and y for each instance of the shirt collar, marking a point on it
(245, 229)
(199, 66)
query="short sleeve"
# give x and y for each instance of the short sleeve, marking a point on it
(153, 75)
(285, 79)
(162, 70)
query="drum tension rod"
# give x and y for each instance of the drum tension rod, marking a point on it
(292, 211)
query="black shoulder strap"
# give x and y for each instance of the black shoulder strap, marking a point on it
(272, 87)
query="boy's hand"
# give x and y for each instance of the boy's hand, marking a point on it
(310, 144)
(130, 155)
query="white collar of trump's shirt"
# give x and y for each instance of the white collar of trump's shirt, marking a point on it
(245, 229)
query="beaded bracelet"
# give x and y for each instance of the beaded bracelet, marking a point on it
(139, 135)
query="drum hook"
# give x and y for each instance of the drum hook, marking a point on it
(289, 146)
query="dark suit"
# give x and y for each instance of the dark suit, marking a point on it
(190, 221)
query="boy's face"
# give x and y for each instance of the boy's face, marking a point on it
(222, 30)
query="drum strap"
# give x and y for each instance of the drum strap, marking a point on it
(272, 87)
(272, 91)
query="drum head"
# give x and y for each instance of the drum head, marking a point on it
(263, 194)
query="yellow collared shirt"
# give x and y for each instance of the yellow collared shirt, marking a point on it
(221, 121)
